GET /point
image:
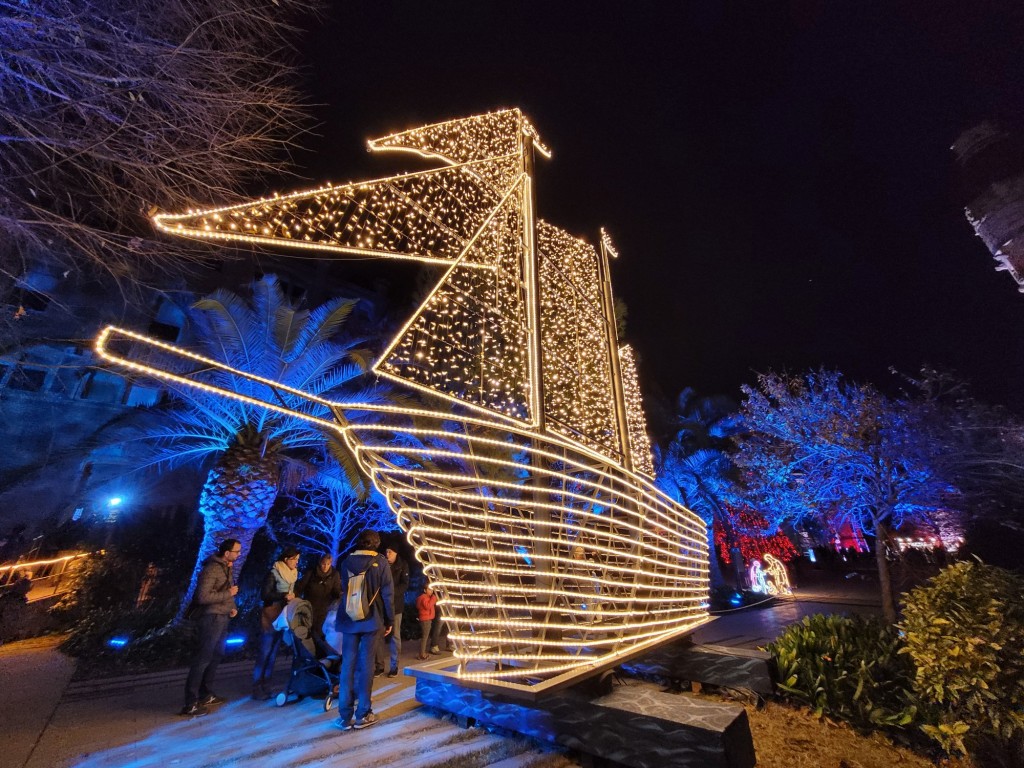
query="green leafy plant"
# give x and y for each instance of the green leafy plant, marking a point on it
(965, 633)
(849, 668)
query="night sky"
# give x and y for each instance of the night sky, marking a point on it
(776, 175)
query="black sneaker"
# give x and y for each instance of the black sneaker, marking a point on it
(378, 671)
(366, 721)
(211, 700)
(194, 710)
(393, 672)
(259, 693)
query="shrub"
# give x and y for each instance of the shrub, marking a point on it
(847, 667)
(102, 605)
(965, 633)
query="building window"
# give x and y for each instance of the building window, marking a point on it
(164, 331)
(143, 396)
(27, 379)
(104, 387)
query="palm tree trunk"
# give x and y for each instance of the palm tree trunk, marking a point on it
(714, 568)
(235, 502)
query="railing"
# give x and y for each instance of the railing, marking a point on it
(48, 576)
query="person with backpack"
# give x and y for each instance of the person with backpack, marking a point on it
(367, 594)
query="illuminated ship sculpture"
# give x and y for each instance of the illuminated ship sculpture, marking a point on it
(524, 480)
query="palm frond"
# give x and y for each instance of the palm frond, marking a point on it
(268, 301)
(225, 326)
(288, 329)
(348, 466)
(324, 323)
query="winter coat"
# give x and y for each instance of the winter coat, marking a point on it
(425, 606)
(378, 585)
(271, 593)
(321, 589)
(213, 587)
(400, 577)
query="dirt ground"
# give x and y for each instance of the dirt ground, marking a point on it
(785, 737)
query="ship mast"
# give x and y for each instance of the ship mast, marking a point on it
(618, 394)
(531, 280)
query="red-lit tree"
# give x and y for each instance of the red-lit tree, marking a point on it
(754, 536)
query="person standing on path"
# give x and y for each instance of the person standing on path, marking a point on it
(321, 586)
(393, 642)
(374, 599)
(278, 590)
(215, 597)
(425, 612)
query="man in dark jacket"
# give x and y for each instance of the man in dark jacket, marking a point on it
(359, 635)
(321, 586)
(393, 642)
(215, 597)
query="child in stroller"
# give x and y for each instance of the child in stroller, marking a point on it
(309, 676)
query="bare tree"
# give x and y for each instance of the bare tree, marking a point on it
(109, 108)
(330, 516)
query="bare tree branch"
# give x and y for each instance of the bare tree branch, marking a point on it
(111, 108)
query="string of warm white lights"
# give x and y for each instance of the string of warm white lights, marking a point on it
(639, 442)
(548, 554)
(529, 562)
(778, 584)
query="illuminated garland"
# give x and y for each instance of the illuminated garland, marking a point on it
(548, 555)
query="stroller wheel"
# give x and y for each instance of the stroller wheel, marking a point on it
(328, 703)
(282, 699)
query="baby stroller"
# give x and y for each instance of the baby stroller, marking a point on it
(309, 676)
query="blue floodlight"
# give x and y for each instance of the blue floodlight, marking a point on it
(736, 599)
(117, 642)
(114, 501)
(235, 641)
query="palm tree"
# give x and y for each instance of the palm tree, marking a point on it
(696, 469)
(255, 452)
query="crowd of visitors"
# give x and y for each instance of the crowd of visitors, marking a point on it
(359, 603)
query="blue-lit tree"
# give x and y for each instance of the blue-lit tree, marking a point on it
(328, 513)
(819, 446)
(696, 469)
(255, 452)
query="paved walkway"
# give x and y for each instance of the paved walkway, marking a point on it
(130, 721)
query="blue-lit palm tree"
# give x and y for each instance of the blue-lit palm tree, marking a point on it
(695, 469)
(255, 452)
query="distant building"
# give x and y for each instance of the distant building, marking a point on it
(990, 157)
